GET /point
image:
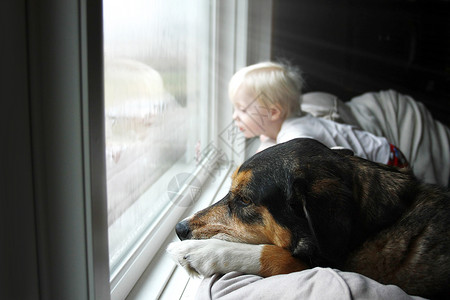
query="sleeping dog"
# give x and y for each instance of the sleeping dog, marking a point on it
(300, 204)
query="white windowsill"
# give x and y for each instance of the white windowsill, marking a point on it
(163, 278)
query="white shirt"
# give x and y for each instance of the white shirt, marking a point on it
(332, 134)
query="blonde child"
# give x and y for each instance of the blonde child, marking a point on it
(267, 98)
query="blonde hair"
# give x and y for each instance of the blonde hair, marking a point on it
(272, 83)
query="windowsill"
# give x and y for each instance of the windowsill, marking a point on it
(163, 278)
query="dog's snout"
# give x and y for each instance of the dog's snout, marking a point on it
(183, 231)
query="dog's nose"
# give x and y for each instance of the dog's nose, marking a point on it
(183, 231)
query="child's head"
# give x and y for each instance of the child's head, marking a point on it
(270, 89)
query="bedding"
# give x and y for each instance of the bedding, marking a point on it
(317, 283)
(405, 122)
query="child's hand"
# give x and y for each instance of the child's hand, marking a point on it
(266, 142)
(264, 138)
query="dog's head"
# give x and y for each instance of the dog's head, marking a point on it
(300, 195)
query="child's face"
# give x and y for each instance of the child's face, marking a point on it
(250, 116)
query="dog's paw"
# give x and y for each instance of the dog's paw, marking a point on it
(207, 257)
(196, 256)
(180, 253)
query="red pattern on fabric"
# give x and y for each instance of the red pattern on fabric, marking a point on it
(396, 158)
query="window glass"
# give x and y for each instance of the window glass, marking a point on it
(156, 95)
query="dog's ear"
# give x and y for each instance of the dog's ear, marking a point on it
(329, 210)
(343, 151)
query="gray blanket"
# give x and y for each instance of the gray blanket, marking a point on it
(317, 283)
(406, 123)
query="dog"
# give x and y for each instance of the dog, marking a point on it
(300, 204)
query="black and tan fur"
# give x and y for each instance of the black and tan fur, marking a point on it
(313, 206)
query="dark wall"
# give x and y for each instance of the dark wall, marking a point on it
(348, 47)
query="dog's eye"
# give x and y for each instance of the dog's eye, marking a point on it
(245, 201)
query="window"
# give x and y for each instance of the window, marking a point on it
(65, 108)
(156, 91)
(156, 69)
(168, 120)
